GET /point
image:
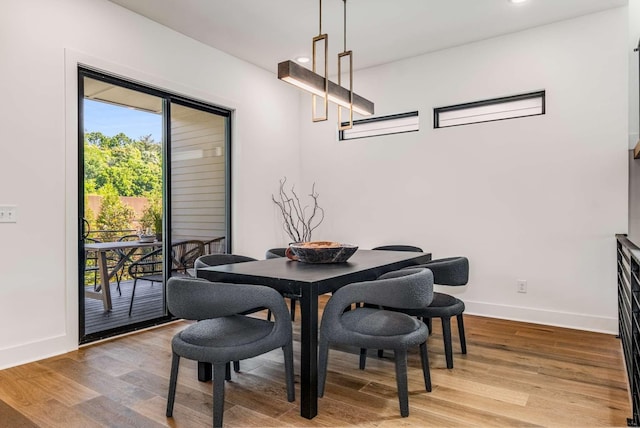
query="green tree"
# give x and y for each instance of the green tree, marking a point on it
(131, 167)
(113, 215)
(152, 215)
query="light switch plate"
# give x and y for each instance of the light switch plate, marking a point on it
(8, 213)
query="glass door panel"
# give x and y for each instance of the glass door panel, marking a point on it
(198, 179)
(153, 196)
(121, 159)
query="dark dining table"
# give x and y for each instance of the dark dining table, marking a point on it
(309, 281)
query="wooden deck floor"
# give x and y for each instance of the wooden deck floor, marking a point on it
(148, 304)
(515, 374)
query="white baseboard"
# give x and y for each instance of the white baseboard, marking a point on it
(34, 351)
(545, 317)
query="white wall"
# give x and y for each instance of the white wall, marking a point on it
(537, 198)
(634, 36)
(40, 44)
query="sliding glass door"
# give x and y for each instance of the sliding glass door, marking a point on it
(153, 196)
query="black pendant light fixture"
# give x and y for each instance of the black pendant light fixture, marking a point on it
(320, 85)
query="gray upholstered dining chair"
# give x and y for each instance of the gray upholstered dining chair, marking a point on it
(451, 271)
(372, 327)
(219, 259)
(394, 247)
(274, 253)
(224, 259)
(223, 334)
(399, 248)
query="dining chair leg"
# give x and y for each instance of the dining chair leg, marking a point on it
(323, 358)
(218, 393)
(288, 368)
(426, 372)
(236, 366)
(227, 371)
(401, 381)
(463, 340)
(363, 358)
(293, 309)
(446, 334)
(380, 353)
(171, 397)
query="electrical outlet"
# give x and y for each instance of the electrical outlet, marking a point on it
(522, 285)
(8, 213)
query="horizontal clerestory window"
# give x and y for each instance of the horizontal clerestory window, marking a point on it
(531, 104)
(383, 125)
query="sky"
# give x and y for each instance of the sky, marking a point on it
(111, 120)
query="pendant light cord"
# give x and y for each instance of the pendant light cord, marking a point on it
(345, 25)
(320, 18)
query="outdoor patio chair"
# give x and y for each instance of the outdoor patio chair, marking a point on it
(122, 254)
(91, 264)
(215, 245)
(150, 266)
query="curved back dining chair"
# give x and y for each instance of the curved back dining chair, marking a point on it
(223, 334)
(275, 253)
(220, 259)
(450, 271)
(399, 248)
(373, 327)
(225, 259)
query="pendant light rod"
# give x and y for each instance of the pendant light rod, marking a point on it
(325, 95)
(320, 17)
(343, 126)
(344, 22)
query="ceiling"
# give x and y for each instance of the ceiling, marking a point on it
(265, 32)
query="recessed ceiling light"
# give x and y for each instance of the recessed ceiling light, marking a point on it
(302, 59)
(517, 1)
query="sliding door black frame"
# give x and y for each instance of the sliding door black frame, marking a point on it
(168, 99)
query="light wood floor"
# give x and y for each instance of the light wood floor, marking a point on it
(514, 374)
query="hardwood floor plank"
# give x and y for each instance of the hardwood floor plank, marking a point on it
(53, 414)
(108, 412)
(109, 386)
(515, 374)
(183, 416)
(10, 417)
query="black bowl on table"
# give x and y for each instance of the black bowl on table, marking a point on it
(328, 253)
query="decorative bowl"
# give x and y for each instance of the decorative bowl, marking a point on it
(147, 238)
(321, 252)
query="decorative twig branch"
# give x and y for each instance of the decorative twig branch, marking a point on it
(295, 221)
